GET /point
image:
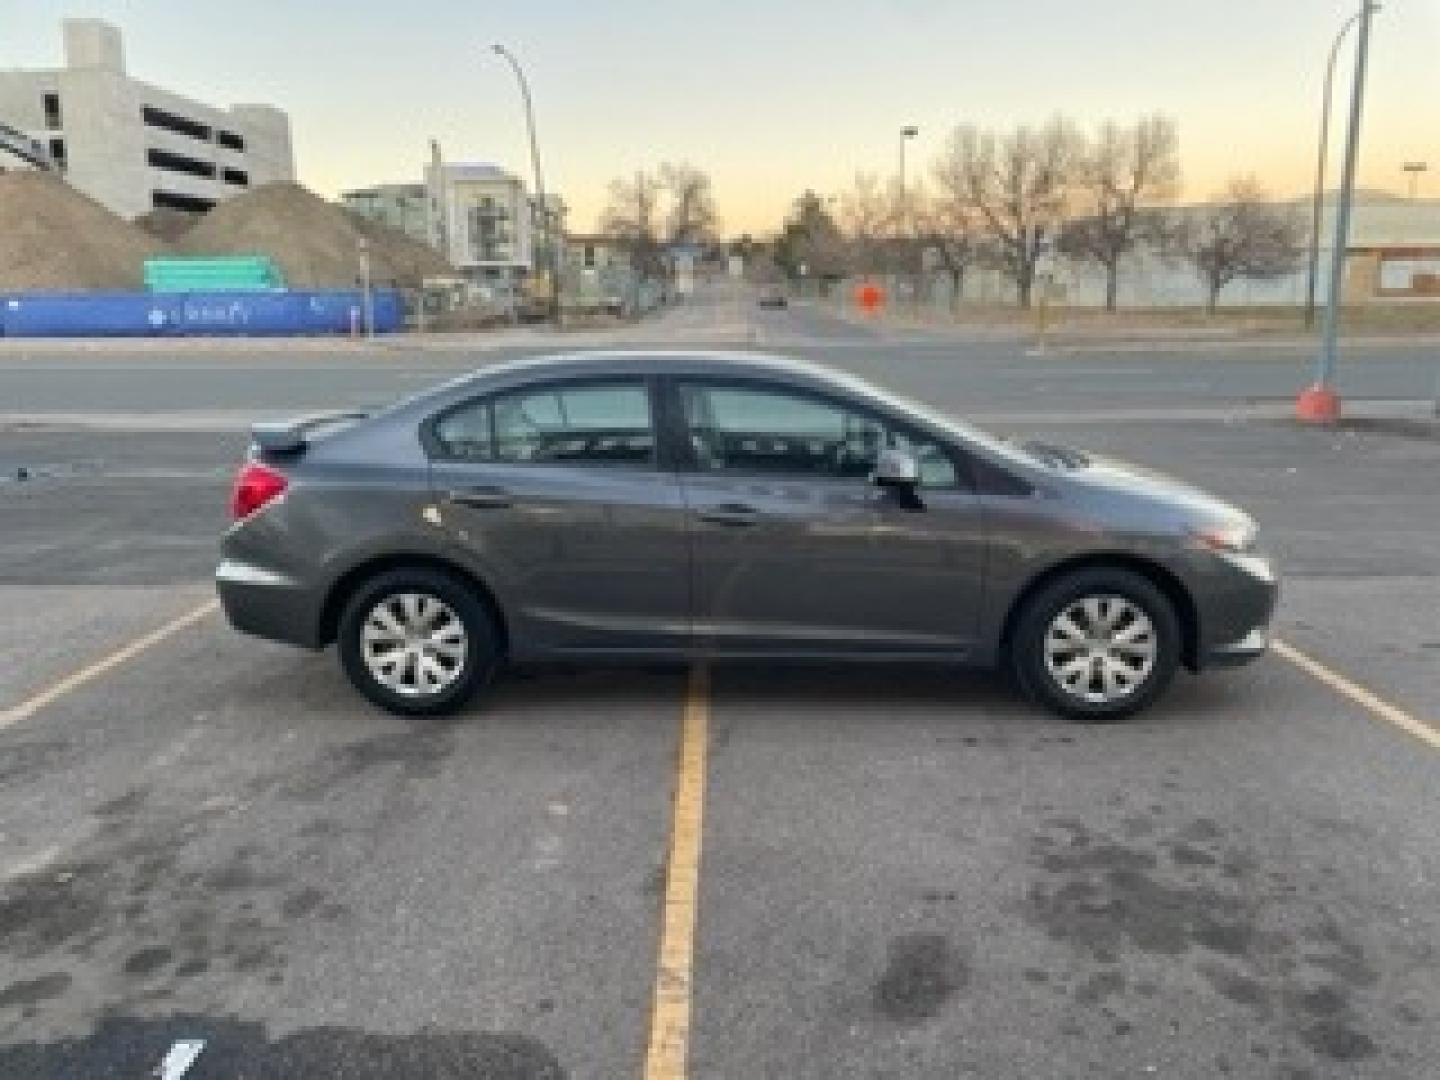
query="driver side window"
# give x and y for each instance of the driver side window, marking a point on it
(788, 433)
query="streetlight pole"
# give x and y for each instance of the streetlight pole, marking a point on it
(550, 241)
(909, 131)
(1413, 169)
(1320, 402)
(1319, 198)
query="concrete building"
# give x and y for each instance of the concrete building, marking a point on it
(596, 251)
(1393, 254)
(19, 151)
(402, 207)
(132, 146)
(480, 219)
(1394, 249)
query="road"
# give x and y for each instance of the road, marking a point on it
(978, 372)
(900, 873)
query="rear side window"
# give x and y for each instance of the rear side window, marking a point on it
(584, 424)
(465, 433)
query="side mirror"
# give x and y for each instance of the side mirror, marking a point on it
(895, 468)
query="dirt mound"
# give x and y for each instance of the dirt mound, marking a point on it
(168, 225)
(413, 260)
(53, 237)
(315, 243)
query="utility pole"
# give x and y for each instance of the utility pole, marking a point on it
(1320, 403)
(551, 242)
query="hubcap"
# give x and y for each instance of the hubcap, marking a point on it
(1100, 649)
(414, 644)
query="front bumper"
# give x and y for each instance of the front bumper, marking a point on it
(1251, 647)
(1241, 592)
(268, 604)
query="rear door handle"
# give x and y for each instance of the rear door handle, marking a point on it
(732, 514)
(481, 498)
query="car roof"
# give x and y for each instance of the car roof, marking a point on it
(670, 360)
(639, 361)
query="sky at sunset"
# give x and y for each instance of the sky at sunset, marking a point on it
(770, 97)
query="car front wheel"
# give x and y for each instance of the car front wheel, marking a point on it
(417, 642)
(1096, 645)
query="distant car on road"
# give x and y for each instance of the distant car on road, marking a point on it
(773, 298)
(641, 506)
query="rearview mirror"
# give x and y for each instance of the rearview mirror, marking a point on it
(895, 468)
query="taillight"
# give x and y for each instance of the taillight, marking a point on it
(255, 486)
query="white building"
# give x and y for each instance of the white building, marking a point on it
(132, 146)
(480, 220)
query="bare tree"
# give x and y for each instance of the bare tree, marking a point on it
(632, 216)
(949, 225)
(1242, 234)
(1121, 178)
(810, 244)
(1018, 184)
(691, 218)
(868, 216)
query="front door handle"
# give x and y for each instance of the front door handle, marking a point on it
(481, 498)
(732, 514)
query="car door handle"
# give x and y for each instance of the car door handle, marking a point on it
(732, 514)
(481, 498)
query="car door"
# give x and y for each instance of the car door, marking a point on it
(797, 551)
(557, 489)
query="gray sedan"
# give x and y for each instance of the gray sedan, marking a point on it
(640, 506)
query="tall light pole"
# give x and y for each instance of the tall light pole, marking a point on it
(1320, 402)
(1413, 169)
(1319, 199)
(909, 131)
(551, 242)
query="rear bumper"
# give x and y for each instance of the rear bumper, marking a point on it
(267, 604)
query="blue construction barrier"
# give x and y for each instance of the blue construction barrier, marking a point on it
(282, 313)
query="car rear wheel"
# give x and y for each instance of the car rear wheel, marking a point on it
(1096, 645)
(417, 642)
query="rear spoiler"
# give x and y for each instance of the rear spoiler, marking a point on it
(290, 436)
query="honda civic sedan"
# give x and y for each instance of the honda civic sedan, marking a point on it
(644, 506)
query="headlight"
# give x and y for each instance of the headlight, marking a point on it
(1235, 537)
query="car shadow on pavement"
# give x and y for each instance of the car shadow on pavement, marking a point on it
(315, 686)
(962, 694)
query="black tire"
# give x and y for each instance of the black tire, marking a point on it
(481, 651)
(1028, 642)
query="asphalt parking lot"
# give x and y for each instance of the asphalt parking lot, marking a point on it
(895, 873)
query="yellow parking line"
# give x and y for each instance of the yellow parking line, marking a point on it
(670, 1011)
(33, 704)
(1360, 696)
